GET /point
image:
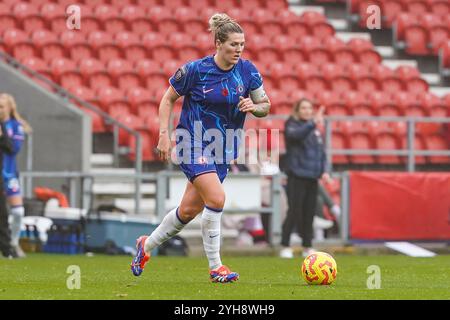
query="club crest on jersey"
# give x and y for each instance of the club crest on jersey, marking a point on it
(181, 72)
(240, 89)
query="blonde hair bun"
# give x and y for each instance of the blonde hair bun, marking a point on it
(218, 20)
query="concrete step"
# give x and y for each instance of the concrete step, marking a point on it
(394, 63)
(433, 79)
(339, 24)
(440, 91)
(346, 36)
(385, 51)
(298, 10)
(112, 171)
(122, 188)
(147, 205)
(101, 160)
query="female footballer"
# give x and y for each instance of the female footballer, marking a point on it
(219, 90)
(15, 127)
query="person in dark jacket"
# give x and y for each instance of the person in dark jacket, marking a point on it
(305, 165)
(5, 238)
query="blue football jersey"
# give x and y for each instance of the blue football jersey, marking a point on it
(211, 98)
(15, 132)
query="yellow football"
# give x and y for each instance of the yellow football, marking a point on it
(319, 268)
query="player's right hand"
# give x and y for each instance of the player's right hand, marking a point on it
(164, 146)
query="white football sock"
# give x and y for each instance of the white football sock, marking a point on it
(17, 214)
(169, 227)
(211, 235)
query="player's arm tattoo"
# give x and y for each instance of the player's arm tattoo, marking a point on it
(261, 102)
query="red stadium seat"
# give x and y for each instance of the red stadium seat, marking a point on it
(48, 44)
(65, 72)
(90, 67)
(132, 122)
(84, 93)
(191, 22)
(361, 141)
(417, 85)
(147, 67)
(90, 22)
(339, 142)
(173, 4)
(104, 46)
(391, 10)
(404, 21)
(416, 38)
(164, 19)
(312, 17)
(29, 16)
(144, 4)
(224, 6)
(75, 43)
(438, 36)
(110, 19)
(98, 125)
(437, 142)
(148, 144)
(344, 56)
(406, 73)
(358, 45)
(161, 49)
(123, 73)
(416, 7)
(38, 65)
(18, 44)
(322, 30)
(107, 96)
(141, 98)
(169, 67)
(369, 57)
(440, 7)
(385, 141)
(275, 5)
(138, 21)
(131, 46)
(199, 4)
(444, 59)
(7, 18)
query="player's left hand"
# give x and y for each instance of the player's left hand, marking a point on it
(246, 105)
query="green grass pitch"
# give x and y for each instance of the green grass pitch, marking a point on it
(44, 276)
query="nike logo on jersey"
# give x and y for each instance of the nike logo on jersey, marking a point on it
(206, 91)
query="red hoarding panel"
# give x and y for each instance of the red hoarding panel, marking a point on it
(399, 206)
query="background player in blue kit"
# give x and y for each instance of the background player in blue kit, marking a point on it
(219, 90)
(15, 127)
